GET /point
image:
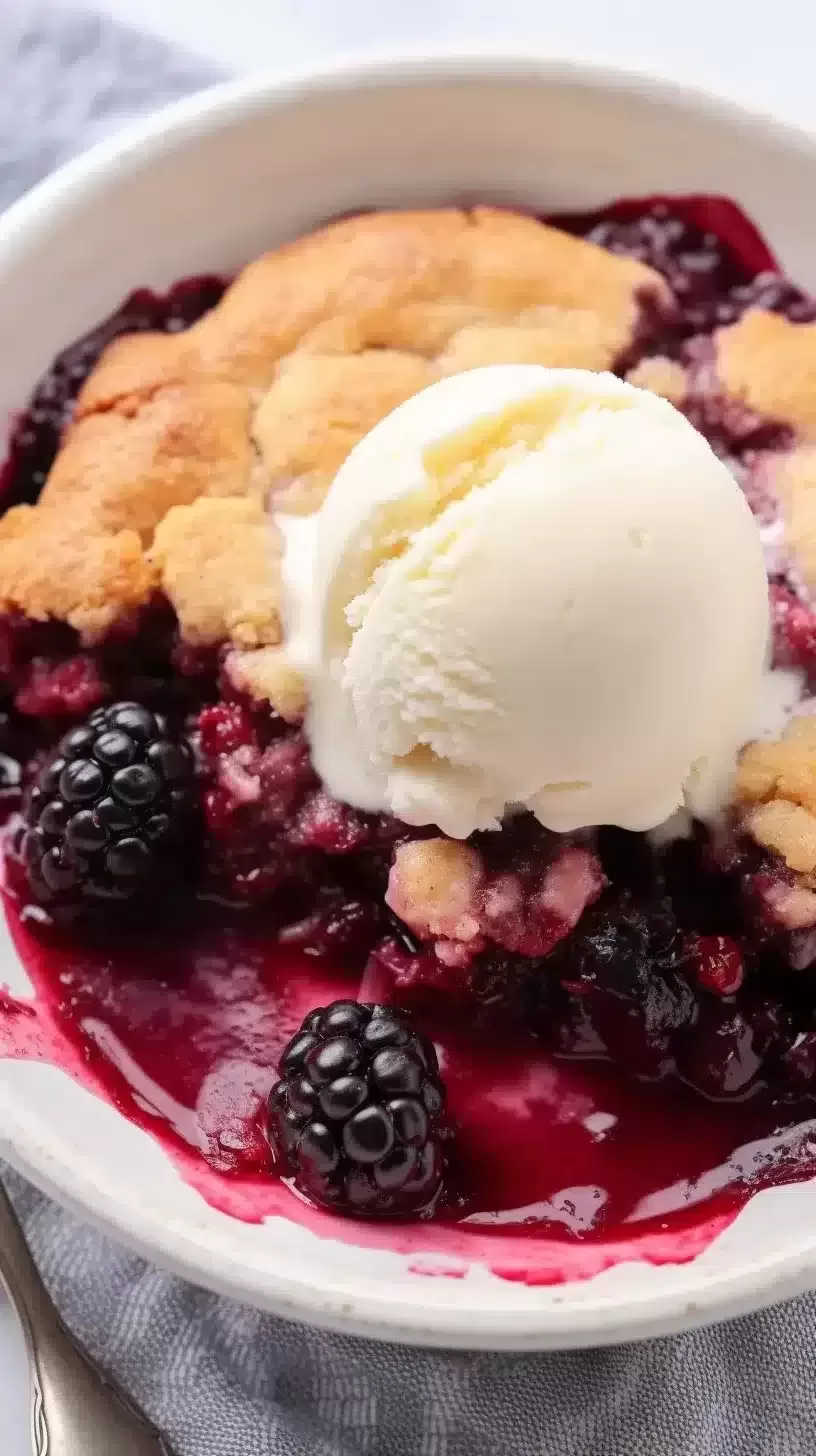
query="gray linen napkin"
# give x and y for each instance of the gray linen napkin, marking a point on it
(223, 1380)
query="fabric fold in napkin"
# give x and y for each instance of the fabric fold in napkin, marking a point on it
(224, 1380)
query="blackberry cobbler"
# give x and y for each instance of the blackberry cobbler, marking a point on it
(598, 1035)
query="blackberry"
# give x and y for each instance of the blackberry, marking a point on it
(623, 970)
(110, 809)
(621, 946)
(356, 1115)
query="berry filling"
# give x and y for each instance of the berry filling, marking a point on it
(713, 258)
(625, 1031)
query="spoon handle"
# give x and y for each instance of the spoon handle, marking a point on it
(75, 1409)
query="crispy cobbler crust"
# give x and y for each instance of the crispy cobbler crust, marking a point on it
(179, 440)
(445, 894)
(267, 674)
(79, 554)
(411, 281)
(234, 545)
(436, 888)
(770, 365)
(574, 338)
(43, 557)
(132, 369)
(661, 376)
(319, 406)
(776, 794)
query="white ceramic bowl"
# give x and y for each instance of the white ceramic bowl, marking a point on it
(205, 186)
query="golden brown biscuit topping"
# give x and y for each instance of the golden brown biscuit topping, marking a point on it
(436, 888)
(52, 565)
(661, 376)
(267, 394)
(78, 554)
(318, 408)
(266, 674)
(770, 365)
(410, 281)
(560, 338)
(776, 787)
(218, 564)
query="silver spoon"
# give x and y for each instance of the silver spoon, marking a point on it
(75, 1409)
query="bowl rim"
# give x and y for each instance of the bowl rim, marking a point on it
(210, 108)
(747, 1285)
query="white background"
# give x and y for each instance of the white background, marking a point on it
(761, 52)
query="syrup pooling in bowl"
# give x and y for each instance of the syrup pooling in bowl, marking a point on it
(560, 1166)
(562, 1161)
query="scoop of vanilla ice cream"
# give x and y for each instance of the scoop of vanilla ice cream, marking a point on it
(532, 587)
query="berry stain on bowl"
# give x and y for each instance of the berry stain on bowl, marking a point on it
(616, 1056)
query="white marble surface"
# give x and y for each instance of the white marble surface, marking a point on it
(702, 41)
(761, 52)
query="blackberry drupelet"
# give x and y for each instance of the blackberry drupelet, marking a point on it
(111, 810)
(356, 1116)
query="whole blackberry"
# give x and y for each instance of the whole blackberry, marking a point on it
(355, 1117)
(110, 809)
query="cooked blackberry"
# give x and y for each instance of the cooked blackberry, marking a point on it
(623, 972)
(355, 1117)
(110, 810)
(621, 946)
